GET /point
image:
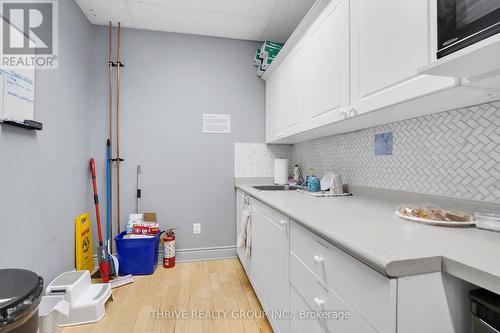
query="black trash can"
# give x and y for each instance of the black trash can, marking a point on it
(485, 308)
(20, 293)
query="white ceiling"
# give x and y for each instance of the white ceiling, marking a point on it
(240, 19)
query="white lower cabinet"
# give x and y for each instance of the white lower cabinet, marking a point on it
(333, 312)
(295, 272)
(309, 285)
(370, 293)
(270, 268)
(299, 325)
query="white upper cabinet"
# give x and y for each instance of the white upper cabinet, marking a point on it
(354, 64)
(389, 43)
(273, 106)
(326, 59)
(292, 112)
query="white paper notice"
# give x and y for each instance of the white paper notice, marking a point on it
(18, 97)
(217, 123)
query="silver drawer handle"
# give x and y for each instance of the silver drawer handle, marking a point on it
(318, 259)
(318, 301)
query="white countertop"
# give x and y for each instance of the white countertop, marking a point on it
(366, 228)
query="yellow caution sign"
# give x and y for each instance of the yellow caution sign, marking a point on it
(84, 254)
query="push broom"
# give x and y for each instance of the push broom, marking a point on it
(102, 253)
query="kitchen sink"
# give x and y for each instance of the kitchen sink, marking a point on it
(275, 187)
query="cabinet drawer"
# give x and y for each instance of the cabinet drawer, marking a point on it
(321, 298)
(370, 293)
(297, 306)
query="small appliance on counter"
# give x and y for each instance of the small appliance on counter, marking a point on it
(281, 171)
(332, 182)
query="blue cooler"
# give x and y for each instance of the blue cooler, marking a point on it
(137, 256)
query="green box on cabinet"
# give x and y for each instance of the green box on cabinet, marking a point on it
(257, 60)
(271, 48)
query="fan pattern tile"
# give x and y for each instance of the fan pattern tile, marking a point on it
(454, 153)
(257, 159)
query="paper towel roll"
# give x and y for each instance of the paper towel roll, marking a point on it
(281, 171)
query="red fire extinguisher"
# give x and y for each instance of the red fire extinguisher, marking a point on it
(169, 249)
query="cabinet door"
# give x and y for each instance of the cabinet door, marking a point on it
(390, 40)
(270, 262)
(326, 59)
(292, 112)
(273, 106)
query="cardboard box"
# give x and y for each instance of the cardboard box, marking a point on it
(150, 217)
(269, 48)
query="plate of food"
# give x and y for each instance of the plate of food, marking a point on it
(435, 216)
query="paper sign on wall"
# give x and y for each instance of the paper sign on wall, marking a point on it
(383, 143)
(217, 123)
(17, 94)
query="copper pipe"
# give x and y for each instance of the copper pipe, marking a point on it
(110, 130)
(118, 157)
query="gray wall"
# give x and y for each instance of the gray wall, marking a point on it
(44, 175)
(169, 81)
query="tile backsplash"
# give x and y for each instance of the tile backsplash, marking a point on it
(257, 159)
(454, 153)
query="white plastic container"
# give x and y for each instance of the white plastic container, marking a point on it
(487, 221)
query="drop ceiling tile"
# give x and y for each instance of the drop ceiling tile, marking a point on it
(168, 3)
(256, 8)
(240, 19)
(196, 22)
(101, 12)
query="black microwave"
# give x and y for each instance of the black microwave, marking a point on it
(464, 22)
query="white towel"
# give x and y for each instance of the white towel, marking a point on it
(245, 237)
(248, 247)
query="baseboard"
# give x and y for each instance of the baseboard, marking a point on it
(197, 254)
(208, 253)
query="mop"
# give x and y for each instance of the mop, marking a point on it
(114, 264)
(139, 190)
(118, 65)
(102, 253)
(110, 130)
(113, 260)
(117, 281)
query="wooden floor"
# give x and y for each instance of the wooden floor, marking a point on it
(188, 288)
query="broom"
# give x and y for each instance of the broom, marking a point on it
(102, 253)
